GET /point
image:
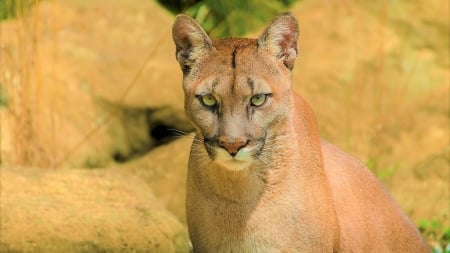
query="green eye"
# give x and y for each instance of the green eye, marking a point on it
(258, 100)
(208, 100)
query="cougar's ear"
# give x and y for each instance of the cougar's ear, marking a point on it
(280, 38)
(190, 39)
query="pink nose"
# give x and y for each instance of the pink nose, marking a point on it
(232, 145)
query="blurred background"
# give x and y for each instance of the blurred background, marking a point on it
(92, 120)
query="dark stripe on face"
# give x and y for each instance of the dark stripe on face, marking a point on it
(233, 57)
(251, 83)
(233, 66)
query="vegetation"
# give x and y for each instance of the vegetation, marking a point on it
(437, 232)
(228, 18)
(13, 8)
(3, 97)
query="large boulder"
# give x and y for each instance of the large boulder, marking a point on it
(165, 170)
(75, 68)
(84, 211)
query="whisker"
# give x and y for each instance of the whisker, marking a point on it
(177, 131)
(180, 135)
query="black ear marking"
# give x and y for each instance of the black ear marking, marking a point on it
(280, 39)
(183, 59)
(191, 41)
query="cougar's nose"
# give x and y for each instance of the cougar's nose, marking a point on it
(232, 145)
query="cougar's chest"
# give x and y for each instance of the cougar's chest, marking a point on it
(229, 236)
(220, 226)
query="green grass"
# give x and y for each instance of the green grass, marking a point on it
(438, 232)
(229, 18)
(14, 8)
(3, 97)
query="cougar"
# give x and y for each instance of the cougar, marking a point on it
(260, 179)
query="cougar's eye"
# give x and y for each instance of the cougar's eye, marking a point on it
(208, 100)
(258, 100)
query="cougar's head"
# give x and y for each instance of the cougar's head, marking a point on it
(237, 91)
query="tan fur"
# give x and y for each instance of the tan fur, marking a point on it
(260, 179)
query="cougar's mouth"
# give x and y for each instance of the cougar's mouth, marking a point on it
(244, 157)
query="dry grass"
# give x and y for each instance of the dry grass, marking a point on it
(21, 77)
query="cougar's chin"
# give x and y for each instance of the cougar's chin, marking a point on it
(242, 160)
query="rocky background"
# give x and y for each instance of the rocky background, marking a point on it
(95, 143)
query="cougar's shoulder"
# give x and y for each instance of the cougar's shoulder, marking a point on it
(366, 211)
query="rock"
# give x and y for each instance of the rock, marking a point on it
(79, 56)
(165, 170)
(84, 211)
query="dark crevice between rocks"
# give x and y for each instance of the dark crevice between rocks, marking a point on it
(135, 131)
(162, 133)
